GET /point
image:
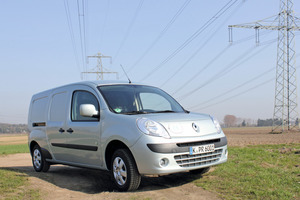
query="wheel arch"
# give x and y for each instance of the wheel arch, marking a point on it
(111, 148)
(31, 146)
(44, 151)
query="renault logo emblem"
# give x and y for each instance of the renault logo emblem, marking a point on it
(195, 127)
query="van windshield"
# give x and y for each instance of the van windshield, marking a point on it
(138, 99)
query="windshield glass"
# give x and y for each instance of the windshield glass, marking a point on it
(138, 99)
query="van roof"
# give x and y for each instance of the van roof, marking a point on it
(105, 82)
(89, 83)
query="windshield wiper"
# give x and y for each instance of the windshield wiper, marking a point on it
(144, 112)
(135, 112)
(186, 111)
(165, 111)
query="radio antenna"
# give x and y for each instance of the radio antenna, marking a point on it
(126, 74)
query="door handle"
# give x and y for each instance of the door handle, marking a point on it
(70, 130)
(61, 130)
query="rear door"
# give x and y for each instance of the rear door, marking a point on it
(57, 114)
(83, 133)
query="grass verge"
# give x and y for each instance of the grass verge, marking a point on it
(13, 186)
(257, 172)
(15, 148)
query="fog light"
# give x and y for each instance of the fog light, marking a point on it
(226, 152)
(164, 162)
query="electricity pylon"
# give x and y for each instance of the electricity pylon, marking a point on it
(99, 68)
(285, 117)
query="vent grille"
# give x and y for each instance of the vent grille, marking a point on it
(187, 160)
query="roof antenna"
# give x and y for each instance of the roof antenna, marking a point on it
(126, 74)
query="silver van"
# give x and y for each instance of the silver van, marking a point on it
(128, 129)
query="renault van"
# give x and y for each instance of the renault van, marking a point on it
(128, 129)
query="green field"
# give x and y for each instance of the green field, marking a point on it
(13, 182)
(252, 172)
(12, 186)
(12, 149)
(257, 172)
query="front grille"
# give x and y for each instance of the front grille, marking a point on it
(187, 160)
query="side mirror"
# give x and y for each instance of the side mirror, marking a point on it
(88, 110)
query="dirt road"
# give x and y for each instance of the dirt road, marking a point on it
(63, 182)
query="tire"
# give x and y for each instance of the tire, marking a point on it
(200, 171)
(124, 171)
(38, 161)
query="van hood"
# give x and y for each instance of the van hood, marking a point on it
(185, 124)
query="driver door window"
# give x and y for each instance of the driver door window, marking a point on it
(79, 98)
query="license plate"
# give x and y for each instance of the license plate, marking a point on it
(202, 149)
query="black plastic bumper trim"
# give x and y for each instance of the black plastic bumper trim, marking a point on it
(175, 148)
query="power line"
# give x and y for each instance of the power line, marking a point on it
(235, 88)
(228, 68)
(202, 69)
(169, 24)
(192, 37)
(229, 98)
(71, 31)
(189, 59)
(241, 93)
(82, 35)
(129, 28)
(200, 48)
(84, 19)
(198, 73)
(105, 20)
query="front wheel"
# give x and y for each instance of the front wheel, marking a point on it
(124, 171)
(38, 161)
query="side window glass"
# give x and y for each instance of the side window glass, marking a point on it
(79, 98)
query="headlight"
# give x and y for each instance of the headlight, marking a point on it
(217, 124)
(150, 127)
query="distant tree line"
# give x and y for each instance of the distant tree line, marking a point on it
(233, 121)
(13, 128)
(269, 122)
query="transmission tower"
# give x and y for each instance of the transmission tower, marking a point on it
(100, 70)
(285, 117)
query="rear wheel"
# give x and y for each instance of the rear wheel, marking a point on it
(124, 171)
(38, 161)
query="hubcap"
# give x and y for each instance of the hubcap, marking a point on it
(37, 158)
(120, 171)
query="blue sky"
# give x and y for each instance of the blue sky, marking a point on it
(37, 52)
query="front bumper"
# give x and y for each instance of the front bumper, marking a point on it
(174, 155)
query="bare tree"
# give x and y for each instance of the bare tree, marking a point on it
(230, 120)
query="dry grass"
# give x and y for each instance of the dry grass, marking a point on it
(248, 130)
(243, 136)
(12, 139)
